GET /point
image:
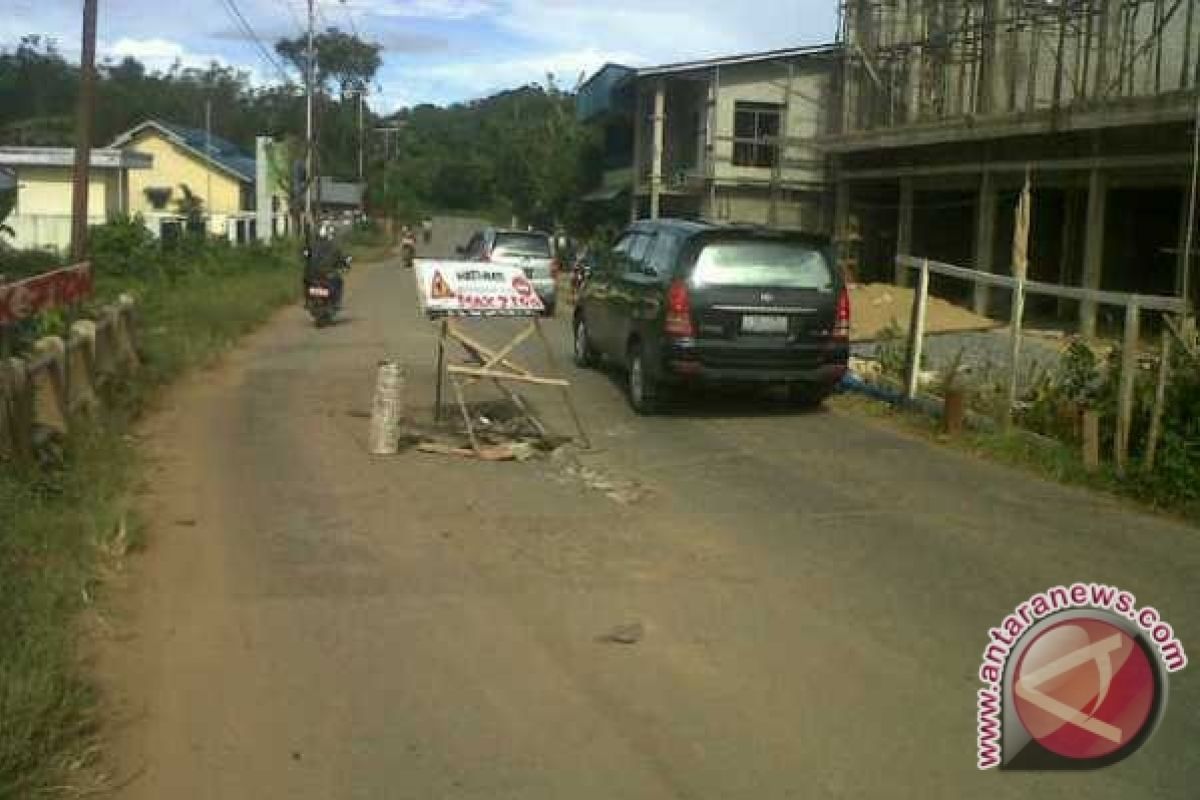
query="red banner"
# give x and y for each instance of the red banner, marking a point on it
(40, 293)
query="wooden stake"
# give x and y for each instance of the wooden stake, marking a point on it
(1128, 380)
(1160, 401)
(1091, 439)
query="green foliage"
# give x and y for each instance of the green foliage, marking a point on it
(123, 248)
(343, 59)
(521, 152)
(61, 521)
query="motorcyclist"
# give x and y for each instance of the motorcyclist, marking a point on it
(408, 246)
(323, 261)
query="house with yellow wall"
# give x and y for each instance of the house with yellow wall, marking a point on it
(43, 179)
(191, 163)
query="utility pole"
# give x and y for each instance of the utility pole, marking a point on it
(310, 80)
(83, 132)
(208, 172)
(360, 135)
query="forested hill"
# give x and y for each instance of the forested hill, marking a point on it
(520, 152)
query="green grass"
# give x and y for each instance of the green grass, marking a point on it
(1046, 457)
(59, 524)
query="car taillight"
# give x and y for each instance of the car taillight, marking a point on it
(679, 311)
(841, 324)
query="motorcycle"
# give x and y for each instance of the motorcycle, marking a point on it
(408, 253)
(323, 296)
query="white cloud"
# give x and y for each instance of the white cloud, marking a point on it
(156, 53)
(422, 9)
(474, 78)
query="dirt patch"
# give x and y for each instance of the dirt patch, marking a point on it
(876, 306)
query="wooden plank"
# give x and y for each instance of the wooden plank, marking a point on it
(1128, 378)
(482, 349)
(491, 375)
(566, 387)
(916, 334)
(1173, 305)
(1091, 439)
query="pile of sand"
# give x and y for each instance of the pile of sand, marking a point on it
(875, 306)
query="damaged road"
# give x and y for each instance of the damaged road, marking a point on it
(734, 600)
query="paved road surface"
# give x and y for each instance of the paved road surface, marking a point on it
(814, 590)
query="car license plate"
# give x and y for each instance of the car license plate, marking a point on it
(759, 323)
(317, 291)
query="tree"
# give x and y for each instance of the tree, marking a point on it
(190, 207)
(346, 60)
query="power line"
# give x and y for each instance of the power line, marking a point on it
(240, 21)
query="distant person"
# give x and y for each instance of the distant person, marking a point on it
(408, 247)
(323, 260)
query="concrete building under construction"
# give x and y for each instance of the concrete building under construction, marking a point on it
(945, 104)
(914, 132)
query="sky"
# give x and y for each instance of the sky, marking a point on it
(436, 51)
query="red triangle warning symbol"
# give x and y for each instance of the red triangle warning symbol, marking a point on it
(439, 289)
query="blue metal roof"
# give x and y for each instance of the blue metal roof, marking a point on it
(221, 152)
(601, 95)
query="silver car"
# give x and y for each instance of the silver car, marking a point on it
(532, 251)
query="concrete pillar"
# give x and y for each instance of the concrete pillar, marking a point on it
(916, 61)
(658, 145)
(985, 237)
(1184, 261)
(841, 222)
(1093, 248)
(263, 189)
(1069, 249)
(904, 227)
(638, 124)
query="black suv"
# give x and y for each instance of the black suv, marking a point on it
(677, 302)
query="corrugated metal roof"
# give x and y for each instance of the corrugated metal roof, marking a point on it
(221, 152)
(746, 58)
(101, 158)
(340, 193)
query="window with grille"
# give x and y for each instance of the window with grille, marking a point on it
(755, 134)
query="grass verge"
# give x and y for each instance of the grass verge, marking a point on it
(1043, 456)
(58, 523)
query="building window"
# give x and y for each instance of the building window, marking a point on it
(755, 134)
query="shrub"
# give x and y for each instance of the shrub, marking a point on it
(123, 248)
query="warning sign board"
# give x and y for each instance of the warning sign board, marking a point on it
(468, 288)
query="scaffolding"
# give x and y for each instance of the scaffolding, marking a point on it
(913, 61)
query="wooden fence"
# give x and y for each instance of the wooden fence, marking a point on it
(1134, 305)
(59, 380)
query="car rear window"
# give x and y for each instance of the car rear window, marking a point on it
(523, 244)
(757, 263)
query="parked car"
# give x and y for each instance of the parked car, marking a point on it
(532, 251)
(679, 302)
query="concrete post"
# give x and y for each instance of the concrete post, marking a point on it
(81, 362)
(1093, 248)
(658, 144)
(264, 216)
(904, 228)
(50, 408)
(985, 238)
(1069, 249)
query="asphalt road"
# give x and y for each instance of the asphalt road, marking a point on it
(814, 591)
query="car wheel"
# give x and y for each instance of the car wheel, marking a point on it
(585, 354)
(644, 394)
(807, 395)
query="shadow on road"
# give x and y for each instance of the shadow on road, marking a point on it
(722, 402)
